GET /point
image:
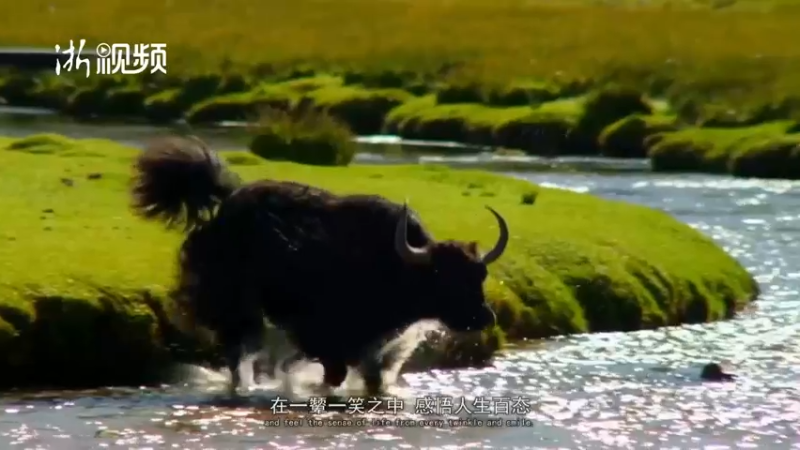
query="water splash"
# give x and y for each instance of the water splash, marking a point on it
(304, 378)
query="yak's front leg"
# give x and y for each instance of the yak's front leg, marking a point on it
(375, 363)
(372, 369)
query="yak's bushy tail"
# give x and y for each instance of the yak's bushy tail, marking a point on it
(180, 181)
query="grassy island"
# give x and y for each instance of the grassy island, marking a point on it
(83, 282)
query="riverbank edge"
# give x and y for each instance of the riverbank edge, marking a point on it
(561, 276)
(537, 118)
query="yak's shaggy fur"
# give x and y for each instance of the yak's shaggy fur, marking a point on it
(339, 274)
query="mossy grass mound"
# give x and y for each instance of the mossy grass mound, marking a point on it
(766, 151)
(245, 105)
(362, 109)
(567, 126)
(83, 291)
(307, 137)
(628, 137)
(514, 93)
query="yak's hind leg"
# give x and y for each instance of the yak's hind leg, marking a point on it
(239, 345)
(273, 364)
(335, 372)
(241, 336)
(281, 354)
(237, 326)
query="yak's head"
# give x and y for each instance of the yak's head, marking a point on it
(453, 273)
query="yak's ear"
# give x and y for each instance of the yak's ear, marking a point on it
(472, 248)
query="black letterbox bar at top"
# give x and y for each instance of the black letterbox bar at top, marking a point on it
(38, 58)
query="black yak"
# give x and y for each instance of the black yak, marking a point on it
(337, 273)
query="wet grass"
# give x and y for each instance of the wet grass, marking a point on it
(84, 281)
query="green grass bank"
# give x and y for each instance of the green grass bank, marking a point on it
(83, 287)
